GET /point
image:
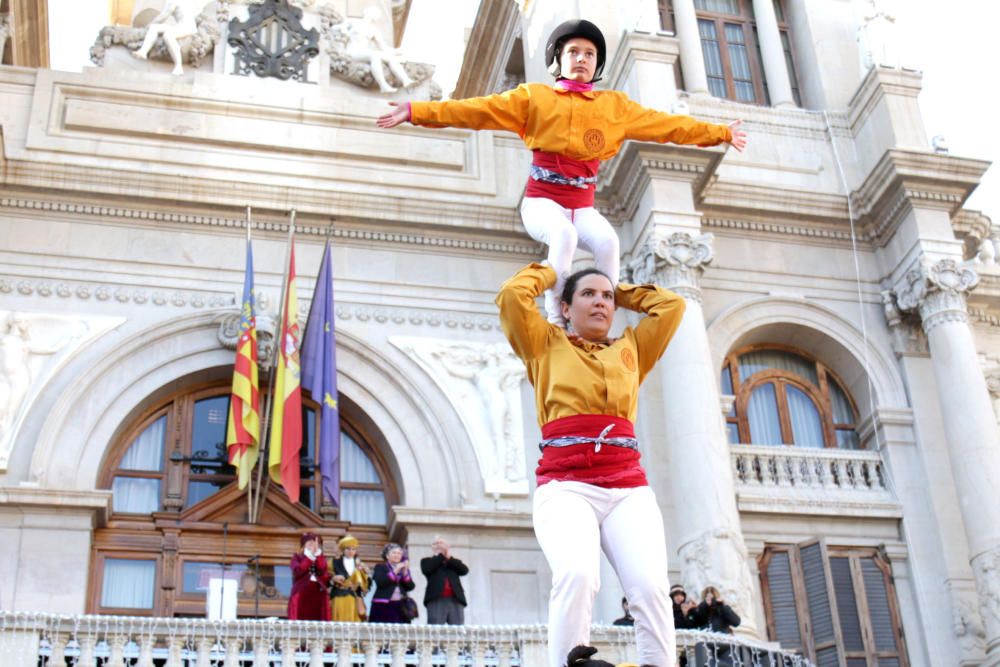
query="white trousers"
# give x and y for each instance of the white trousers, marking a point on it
(573, 522)
(562, 229)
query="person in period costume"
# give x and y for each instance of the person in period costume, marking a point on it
(392, 582)
(310, 579)
(570, 128)
(350, 583)
(592, 492)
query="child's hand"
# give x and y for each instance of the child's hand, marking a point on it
(739, 140)
(400, 114)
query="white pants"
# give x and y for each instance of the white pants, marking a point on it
(561, 229)
(573, 522)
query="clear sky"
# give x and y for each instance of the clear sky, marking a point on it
(955, 44)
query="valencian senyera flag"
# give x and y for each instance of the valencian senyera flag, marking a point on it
(319, 376)
(243, 431)
(286, 410)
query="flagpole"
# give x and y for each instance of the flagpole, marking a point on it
(275, 353)
(250, 481)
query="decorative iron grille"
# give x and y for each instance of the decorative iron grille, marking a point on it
(272, 42)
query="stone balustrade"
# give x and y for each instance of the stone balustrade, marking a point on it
(811, 478)
(30, 639)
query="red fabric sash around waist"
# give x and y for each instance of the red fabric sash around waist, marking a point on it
(566, 196)
(610, 468)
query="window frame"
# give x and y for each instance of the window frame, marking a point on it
(820, 395)
(748, 23)
(175, 534)
(854, 555)
(97, 582)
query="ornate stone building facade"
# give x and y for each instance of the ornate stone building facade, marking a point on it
(821, 433)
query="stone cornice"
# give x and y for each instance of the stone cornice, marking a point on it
(776, 203)
(62, 501)
(624, 179)
(638, 45)
(822, 235)
(369, 234)
(972, 224)
(401, 516)
(905, 179)
(488, 48)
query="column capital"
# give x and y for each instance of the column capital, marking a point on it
(936, 291)
(675, 261)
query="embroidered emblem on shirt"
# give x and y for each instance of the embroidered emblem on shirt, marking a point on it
(593, 139)
(628, 359)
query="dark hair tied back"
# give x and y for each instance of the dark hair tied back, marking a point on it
(570, 287)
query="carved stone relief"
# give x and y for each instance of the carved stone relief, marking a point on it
(935, 291)
(675, 261)
(483, 382)
(359, 54)
(193, 48)
(33, 346)
(719, 558)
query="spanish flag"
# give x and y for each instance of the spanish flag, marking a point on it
(286, 411)
(243, 432)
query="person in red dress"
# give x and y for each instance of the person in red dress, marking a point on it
(310, 582)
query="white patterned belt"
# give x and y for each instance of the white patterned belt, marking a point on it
(549, 176)
(570, 440)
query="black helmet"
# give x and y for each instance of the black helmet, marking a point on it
(580, 28)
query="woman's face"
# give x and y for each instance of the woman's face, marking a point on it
(593, 307)
(394, 555)
(310, 545)
(350, 552)
(578, 60)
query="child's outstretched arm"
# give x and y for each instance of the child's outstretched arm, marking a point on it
(505, 111)
(645, 124)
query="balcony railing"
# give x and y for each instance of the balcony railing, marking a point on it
(811, 478)
(34, 639)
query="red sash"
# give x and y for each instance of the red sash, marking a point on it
(610, 468)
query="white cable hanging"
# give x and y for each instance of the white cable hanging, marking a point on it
(861, 305)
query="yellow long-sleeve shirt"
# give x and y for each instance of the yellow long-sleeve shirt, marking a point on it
(582, 125)
(586, 378)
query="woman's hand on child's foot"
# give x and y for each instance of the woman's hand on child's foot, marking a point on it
(739, 140)
(400, 114)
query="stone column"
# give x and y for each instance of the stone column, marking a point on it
(773, 54)
(692, 57)
(711, 547)
(936, 291)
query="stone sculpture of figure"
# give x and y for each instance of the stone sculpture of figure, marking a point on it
(877, 37)
(497, 375)
(5, 32)
(16, 348)
(364, 43)
(175, 22)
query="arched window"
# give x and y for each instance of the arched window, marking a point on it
(177, 515)
(784, 397)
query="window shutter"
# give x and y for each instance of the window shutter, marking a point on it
(824, 630)
(781, 590)
(847, 605)
(880, 613)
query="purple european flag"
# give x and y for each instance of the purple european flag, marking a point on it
(319, 376)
